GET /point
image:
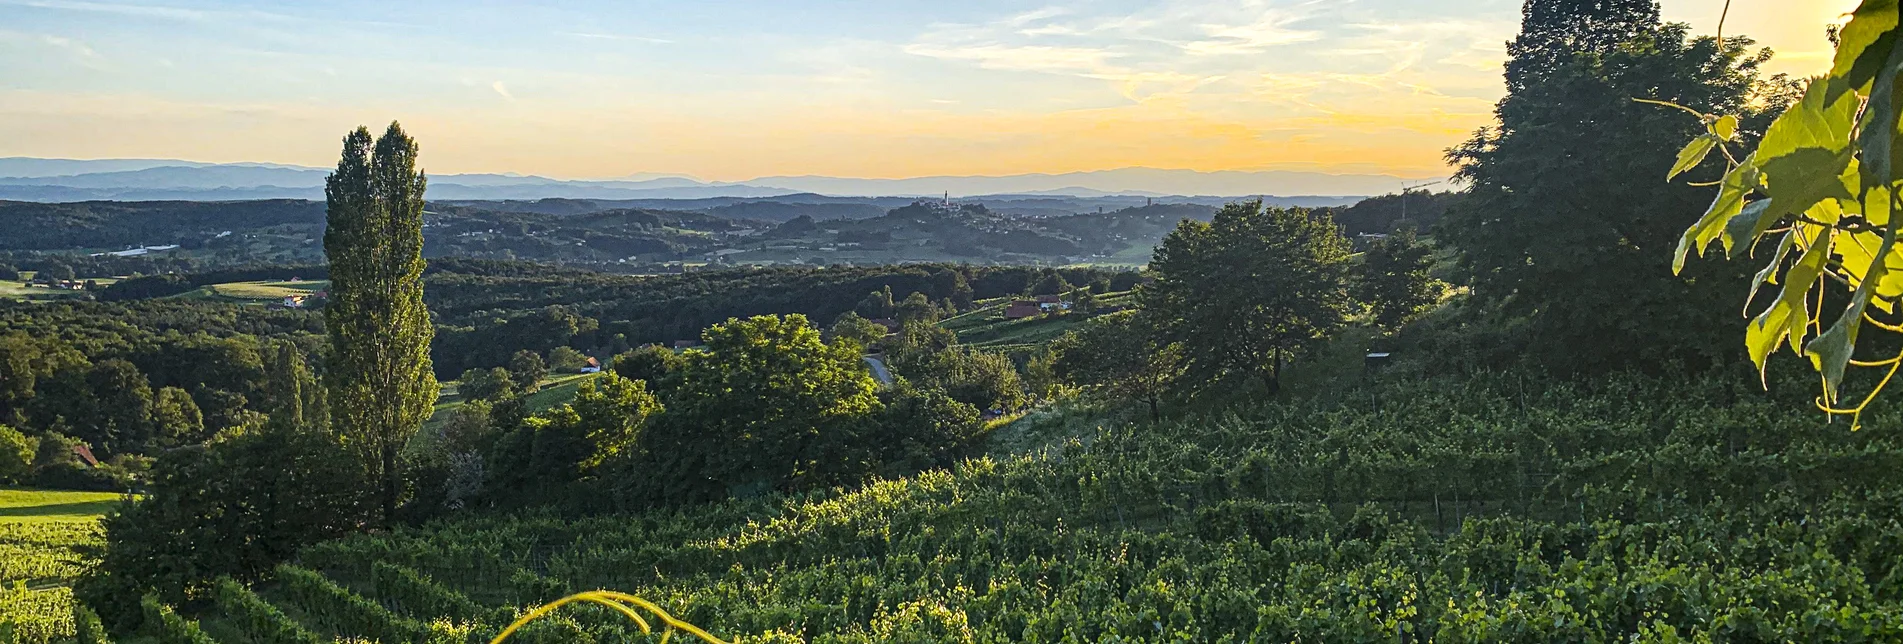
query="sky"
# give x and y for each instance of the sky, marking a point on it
(732, 90)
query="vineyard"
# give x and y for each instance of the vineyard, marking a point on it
(43, 540)
(1498, 508)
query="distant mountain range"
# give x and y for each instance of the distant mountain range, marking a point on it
(63, 180)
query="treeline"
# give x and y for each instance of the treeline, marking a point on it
(1384, 214)
(127, 381)
(195, 276)
(483, 320)
(113, 225)
(68, 266)
(766, 404)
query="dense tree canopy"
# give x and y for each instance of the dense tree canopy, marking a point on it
(766, 404)
(1392, 279)
(1249, 289)
(1565, 224)
(1121, 356)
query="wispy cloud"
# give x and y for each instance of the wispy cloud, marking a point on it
(1021, 58)
(76, 47)
(135, 10)
(603, 36)
(502, 89)
(1273, 29)
(70, 49)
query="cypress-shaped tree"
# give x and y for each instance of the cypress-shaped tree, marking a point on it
(291, 396)
(380, 382)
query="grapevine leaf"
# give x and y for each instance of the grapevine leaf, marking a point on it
(1874, 207)
(1730, 200)
(1787, 317)
(1805, 151)
(1769, 274)
(1693, 154)
(1830, 351)
(1863, 45)
(1746, 226)
(1761, 334)
(1879, 123)
(1802, 178)
(1799, 280)
(1724, 127)
(1816, 121)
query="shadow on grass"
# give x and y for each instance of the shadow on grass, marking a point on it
(59, 509)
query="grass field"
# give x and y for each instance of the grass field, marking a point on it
(43, 537)
(20, 291)
(555, 391)
(255, 292)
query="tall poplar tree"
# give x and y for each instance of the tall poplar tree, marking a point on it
(381, 385)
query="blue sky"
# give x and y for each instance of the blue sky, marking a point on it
(734, 90)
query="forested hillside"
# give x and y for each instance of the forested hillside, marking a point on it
(199, 235)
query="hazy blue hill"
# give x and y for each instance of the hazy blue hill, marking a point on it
(141, 179)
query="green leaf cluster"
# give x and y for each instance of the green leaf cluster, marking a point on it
(1821, 189)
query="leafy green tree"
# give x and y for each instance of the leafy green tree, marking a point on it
(468, 427)
(1119, 357)
(16, 455)
(651, 364)
(916, 307)
(55, 272)
(1083, 302)
(1249, 289)
(553, 457)
(983, 379)
(961, 294)
(1553, 31)
(1050, 284)
(919, 428)
(877, 305)
(292, 397)
(9, 273)
(175, 417)
(918, 341)
(566, 360)
(766, 404)
(490, 384)
(850, 326)
(1566, 220)
(603, 422)
(381, 386)
(121, 418)
(19, 371)
(1392, 279)
(1040, 375)
(527, 370)
(235, 507)
(56, 463)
